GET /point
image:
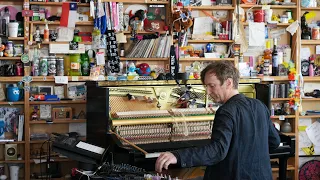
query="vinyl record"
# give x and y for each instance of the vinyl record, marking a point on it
(310, 170)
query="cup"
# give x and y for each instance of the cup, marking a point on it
(14, 172)
(13, 29)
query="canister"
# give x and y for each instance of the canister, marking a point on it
(44, 66)
(258, 15)
(316, 33)
(52, 66)
(60, 66)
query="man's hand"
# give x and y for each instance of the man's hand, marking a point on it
(164, 160)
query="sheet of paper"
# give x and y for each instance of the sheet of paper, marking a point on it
(305, 53)
(195, 13)
(100, 58)
(202, 25)
(313, 132)
(74, 78)
(305, 121)
(304, 140)
(256, 34)
(276, 33)
(61, 79)
(317, 150)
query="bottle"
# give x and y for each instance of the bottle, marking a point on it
(37, 37)
(121, 50)
(275, 59)
(5, 19)
(85, 64)
(311, 66)
(46, 33)
(75, 66)
(267, 56)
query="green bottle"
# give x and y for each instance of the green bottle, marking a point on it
(75, 67)
(85, 64)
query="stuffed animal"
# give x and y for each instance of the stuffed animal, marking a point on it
(182, 19)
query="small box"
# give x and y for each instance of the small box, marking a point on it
(61, 113)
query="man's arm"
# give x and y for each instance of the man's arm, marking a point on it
(273, 137)
(214, 152)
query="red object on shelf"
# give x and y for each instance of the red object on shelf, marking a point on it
(85, 36)
(258, 15)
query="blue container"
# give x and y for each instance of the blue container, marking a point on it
(13, 93)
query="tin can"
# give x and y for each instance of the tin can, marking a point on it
(52, 66)
(60, 66)
(19, 69)
(266, 65)
(258, 15)
(287, 109)
(43, 66)
(316, 33)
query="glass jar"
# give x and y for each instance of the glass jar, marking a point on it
(75, 66)
(315, 33)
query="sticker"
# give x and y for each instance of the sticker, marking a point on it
(25, 58)
(26, 79)
(44, 78)
(74, 78)
(27, 88)
(61, 79)
(282, 117)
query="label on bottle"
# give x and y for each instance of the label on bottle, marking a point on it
(85, 68)
(275, 61)
(75, 65)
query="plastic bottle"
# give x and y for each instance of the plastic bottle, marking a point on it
(75, 65)
(85, 64)
(5, 19)
(46, 33)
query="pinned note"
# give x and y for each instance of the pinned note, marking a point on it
(74, 78)
(313, 132)
(61, 79)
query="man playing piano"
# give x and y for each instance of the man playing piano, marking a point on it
(242, 133)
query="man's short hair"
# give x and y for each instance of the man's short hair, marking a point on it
(223, 70)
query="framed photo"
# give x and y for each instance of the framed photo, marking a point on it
(46, 90)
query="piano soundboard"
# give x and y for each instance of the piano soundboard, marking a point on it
(138, 118)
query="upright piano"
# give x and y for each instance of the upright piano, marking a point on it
(157, 118)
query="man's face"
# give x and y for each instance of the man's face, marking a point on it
(214, 88)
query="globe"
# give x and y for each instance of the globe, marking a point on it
(144, 69)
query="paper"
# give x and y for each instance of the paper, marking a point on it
(80, 128)
(256, 34)
(313, 132)
(100, 58)
(61, 79)
(203, 25)
(317, 49)
(277, 32)
(195, 14)
(304, 140)
(305, 121)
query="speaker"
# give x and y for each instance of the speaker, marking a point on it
(11, 152)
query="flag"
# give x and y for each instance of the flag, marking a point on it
(69, 15)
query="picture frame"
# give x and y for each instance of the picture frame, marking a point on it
(46, 90)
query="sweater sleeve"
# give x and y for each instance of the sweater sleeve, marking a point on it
(218, 148)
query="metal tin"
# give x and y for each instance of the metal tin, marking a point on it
(315, 33)
(266, 65)
(60, 66)
(44, 66)
(52, 66)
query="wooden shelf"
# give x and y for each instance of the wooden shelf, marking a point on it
(285, 116)
(139, 1)
(57, 4)
(273, 78)
(14, 142)
(51, 78)
(278, 24)
(271, 6)
(290, 134)
(59, 121)
(205, 59)
(280, 99)
(10, 58)
(310, 116)
(310, 8)
(310, 99)
(11, 79)
(61, 42)
(12, 161)
(209, 41)
(15, 38)
(210, 7)
(80, 23)
(310, 42)
(145, 32)
(311, 79)
(11, 103)
(143, 59)
(58, 102)
(289, 168)
(55, 159)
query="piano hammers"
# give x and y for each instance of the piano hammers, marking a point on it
(147, 155)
